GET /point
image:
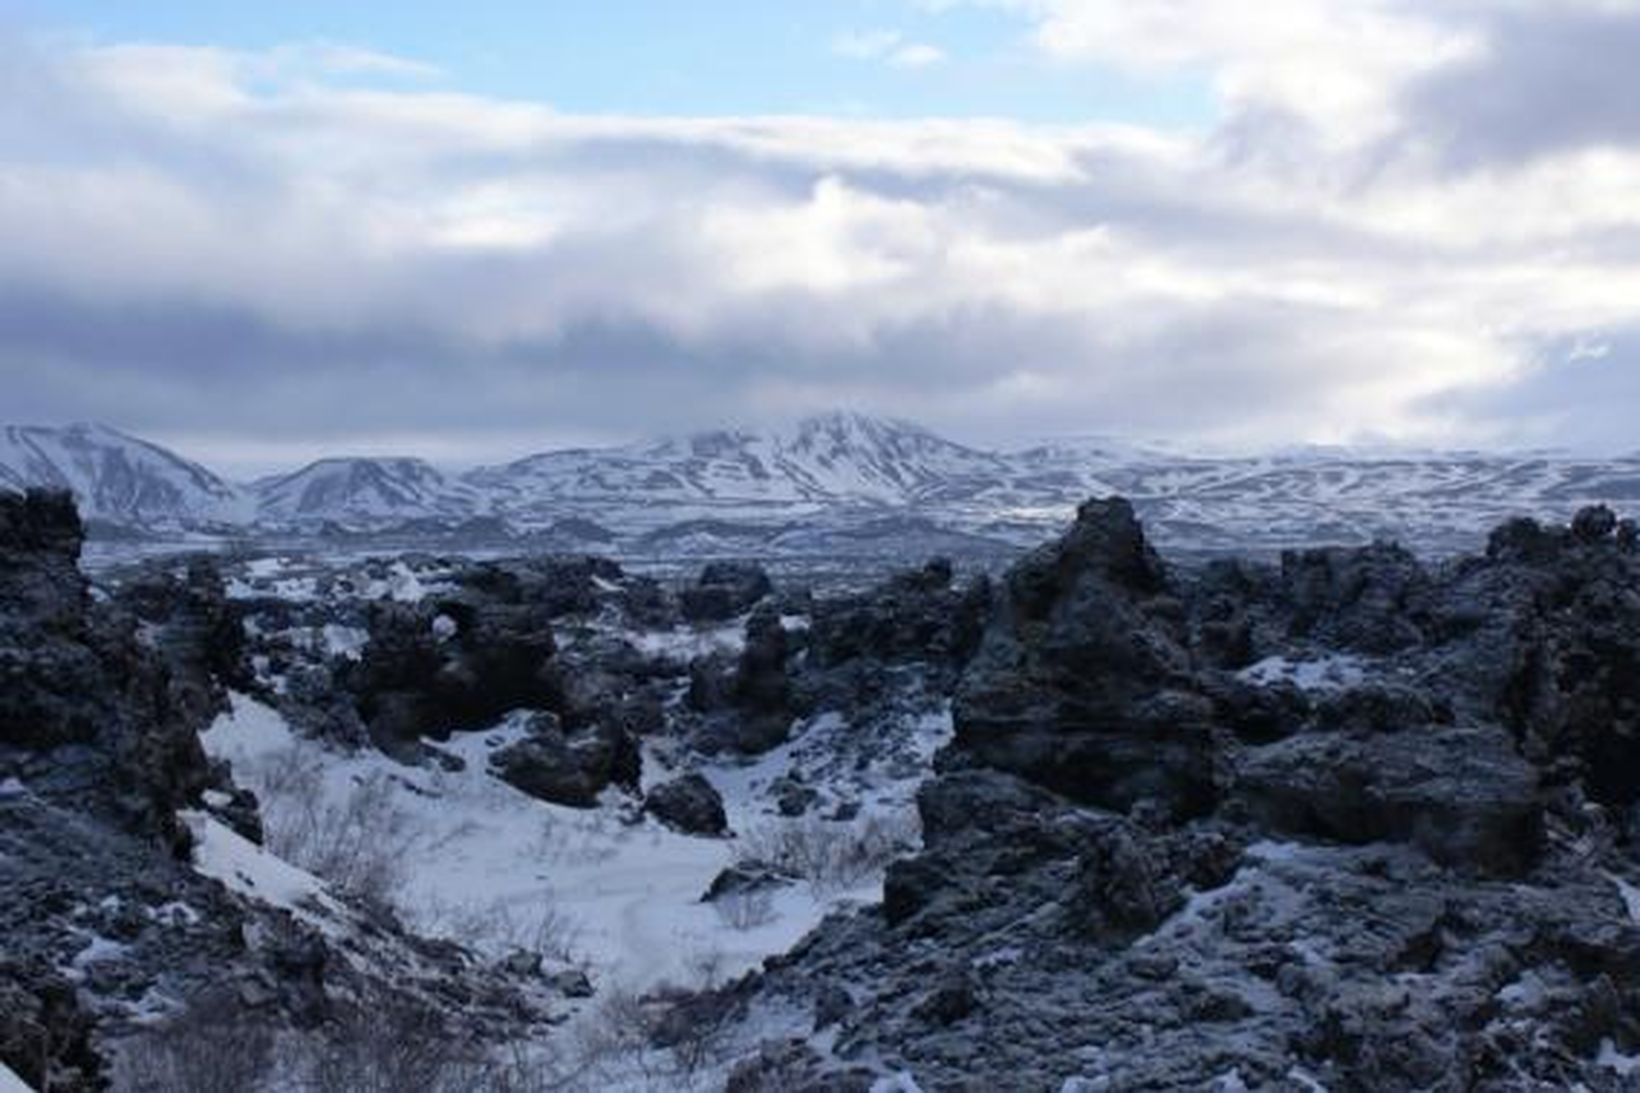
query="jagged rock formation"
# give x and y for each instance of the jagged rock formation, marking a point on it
(919, 616)
(1083, 681)
(453, 662)
(100, 706)
(724, 590)
(1345, 822)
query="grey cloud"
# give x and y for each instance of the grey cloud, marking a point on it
(292, 284)
(1553, 78)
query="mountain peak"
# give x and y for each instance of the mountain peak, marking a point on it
(362, 487)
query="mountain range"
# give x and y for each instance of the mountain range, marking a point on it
(833, 480)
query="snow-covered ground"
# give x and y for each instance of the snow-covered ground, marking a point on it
(496, 869)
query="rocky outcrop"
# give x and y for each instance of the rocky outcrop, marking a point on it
(99, 709)
(568, 767)
(1462, 795)
(112, 937)
(724, 590)
(919, 615)
(446, 664)
(556, 586)
(747, 699)
(1083, 681)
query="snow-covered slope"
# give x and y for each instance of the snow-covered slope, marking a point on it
(363, 489)
(116, 477)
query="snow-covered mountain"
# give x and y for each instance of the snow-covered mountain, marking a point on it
(832, 458)
(839, 481)
(117, 478)
(358, 489)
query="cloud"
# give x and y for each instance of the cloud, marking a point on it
(215, 243)
(887, 46)
(866, 45)
(1549, 79)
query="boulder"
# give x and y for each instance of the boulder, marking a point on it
(748, 699)
(689, 804)
(1367, 599)
(554, 586)
(917, 616)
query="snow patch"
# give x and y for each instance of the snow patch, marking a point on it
(245, 868)
(1630, 894)
(497, 868)
(1329, 673)
(1613, 1059)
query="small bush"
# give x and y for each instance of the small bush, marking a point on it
(745, 910)
(213, 1046)
(388, 1045)
(501, 927)
(361, 844)
(832, 856)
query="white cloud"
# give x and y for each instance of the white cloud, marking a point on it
(916, 55)
(887, 46)
(866, 45)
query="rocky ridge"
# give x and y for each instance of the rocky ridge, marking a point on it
(1346, 822)
(120, 957)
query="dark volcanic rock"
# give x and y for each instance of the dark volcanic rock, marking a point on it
(724, 590)
(1462, 795)
(90, 712)
(450, 664)
(762, 688)
(689, 804)
(1398, 856)
(1365, 599)
(748, 699)
(553, 586)
(915, 616)
(568, 767)
(1083, 679)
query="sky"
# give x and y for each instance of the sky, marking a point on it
(260, 232)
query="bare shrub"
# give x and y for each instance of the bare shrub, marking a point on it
(831, 856)
(502, 926)
(362, 843)
(746, 909)
(521, 1069)
(614, 1042)
(213, 1046)
(388, 1044)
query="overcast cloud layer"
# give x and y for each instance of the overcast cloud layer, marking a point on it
(1414, 227)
